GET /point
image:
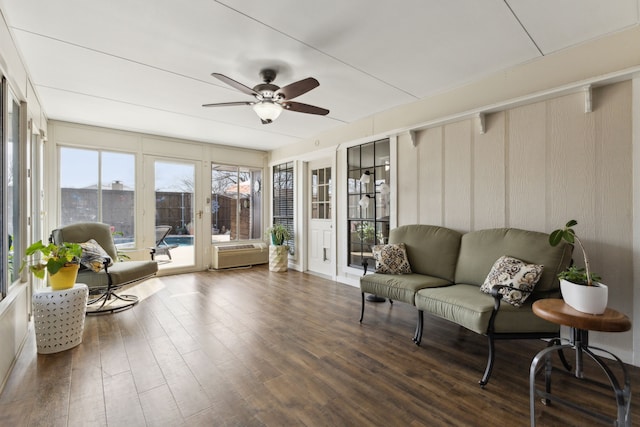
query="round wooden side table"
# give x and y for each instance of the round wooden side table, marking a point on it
(557, 311)
(59, 318)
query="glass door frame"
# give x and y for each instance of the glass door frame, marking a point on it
(201, 216)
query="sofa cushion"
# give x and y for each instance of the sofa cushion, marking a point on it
(464, 305)
(391, 259)
(399, 287)
(480, 249)
(517, 275)
(431, 250)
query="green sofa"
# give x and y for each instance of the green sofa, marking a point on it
(448, 269)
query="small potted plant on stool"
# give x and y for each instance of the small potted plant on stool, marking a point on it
(581, 289)
(61, 262)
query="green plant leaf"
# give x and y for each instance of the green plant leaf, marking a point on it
(571, 223)
(568, 235)
(555, 237)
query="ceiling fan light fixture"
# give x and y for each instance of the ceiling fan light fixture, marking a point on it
(268, 111)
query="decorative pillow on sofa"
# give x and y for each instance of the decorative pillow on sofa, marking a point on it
(520, 278)
(391, 259)
(93, 256)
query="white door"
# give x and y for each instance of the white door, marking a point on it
(321, 252)
(175, 207)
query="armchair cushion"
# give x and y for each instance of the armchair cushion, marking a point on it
(121, 273)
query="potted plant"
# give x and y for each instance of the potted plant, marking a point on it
(278, 251)
(581, 288)
(61, 262)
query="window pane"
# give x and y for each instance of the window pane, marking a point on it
(368, 203)
(4, 244)
(283, 194)
(79, 182)
(99, 186)
(13, 189)
(236, 203)
(118, 189)
(174, 193)
(224, 189)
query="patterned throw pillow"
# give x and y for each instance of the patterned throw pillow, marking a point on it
(93, 256)
(517, 275)
(391, 259)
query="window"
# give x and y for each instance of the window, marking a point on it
(283, 199)
(13, 187)
(321, 193)
(11, 250)
(98, 186)
(368, 198)
(236, 203)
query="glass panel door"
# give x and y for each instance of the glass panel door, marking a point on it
(320, 224)
(175, 223)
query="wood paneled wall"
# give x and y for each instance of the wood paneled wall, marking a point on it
(535, 167)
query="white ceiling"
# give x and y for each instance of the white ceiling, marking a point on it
(145, 65)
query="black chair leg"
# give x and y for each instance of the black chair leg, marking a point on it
(362, 309)
(417, 337)
(487, 372)
(128, 302)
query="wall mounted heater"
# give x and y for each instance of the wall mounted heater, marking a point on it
(240, 255)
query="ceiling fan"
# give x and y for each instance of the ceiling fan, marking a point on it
(272, 99)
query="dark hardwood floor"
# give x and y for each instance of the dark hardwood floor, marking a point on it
(254, 348)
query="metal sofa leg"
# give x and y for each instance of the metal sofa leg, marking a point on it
(362, 309)
(417, 337)
(487, 372)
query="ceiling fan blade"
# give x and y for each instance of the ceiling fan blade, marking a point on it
(234, 84)
(304, 108)
(228, 104)
(296, 89)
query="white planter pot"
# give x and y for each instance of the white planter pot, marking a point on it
(278, 258)
(587, 299)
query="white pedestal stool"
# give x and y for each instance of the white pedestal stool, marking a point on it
(59, 318)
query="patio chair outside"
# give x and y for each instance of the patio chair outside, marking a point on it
(162, 247)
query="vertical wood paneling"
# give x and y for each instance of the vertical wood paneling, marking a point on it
(571, 164)
(430, 175)
(407, 181)
(489, 174)
(525, 168)
(457, 175)
(614, 197)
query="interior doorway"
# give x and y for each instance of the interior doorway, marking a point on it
(320, 221)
